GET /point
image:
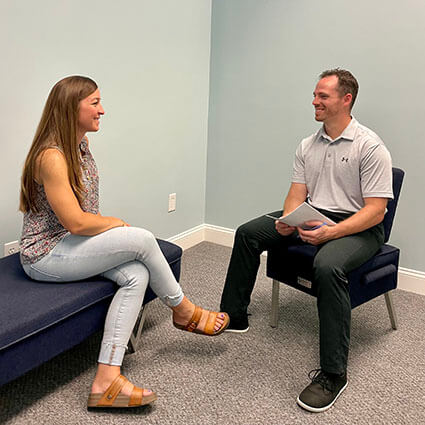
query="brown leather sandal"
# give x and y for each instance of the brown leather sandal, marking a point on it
(192, 324)
(112, 397)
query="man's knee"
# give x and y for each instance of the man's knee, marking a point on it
(247, 236)
(327, 272)
(252, 229)
(243, 231)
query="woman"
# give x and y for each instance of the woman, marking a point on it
(65, 238)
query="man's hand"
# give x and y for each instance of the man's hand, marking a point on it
(370, 215)
(321, 234)
(283, 228)
(296, 196)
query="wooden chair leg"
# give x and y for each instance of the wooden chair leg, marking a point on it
(391, 309)
(134, 342)
(275, 304)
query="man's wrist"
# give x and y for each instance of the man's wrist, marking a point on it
(337, 231)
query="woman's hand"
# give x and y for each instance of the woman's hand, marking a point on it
(117, 222)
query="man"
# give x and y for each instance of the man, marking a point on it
(344, 171)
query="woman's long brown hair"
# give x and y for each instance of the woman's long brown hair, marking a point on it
(58, 127)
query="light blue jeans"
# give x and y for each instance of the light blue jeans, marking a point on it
(129, 256)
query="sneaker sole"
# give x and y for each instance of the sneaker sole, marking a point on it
(321, 409)
(237, 331)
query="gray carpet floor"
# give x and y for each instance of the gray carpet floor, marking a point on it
(253, 378)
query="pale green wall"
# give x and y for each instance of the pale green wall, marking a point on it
(265, 59)
(151, 61)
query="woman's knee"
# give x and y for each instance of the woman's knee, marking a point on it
(137, 283)
(142, 234)
(140, 239)
(132, 274)
(128, 235)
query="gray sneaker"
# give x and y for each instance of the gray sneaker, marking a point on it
(323, 391)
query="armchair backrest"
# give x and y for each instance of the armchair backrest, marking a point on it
(398, 176)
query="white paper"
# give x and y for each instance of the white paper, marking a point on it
(303, 213)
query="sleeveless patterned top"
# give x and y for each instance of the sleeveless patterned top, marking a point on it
(42, 231)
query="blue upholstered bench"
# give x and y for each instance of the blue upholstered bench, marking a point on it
(40, 320)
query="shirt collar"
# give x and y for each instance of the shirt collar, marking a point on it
(347, 134)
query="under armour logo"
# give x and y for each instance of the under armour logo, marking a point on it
(344, 159)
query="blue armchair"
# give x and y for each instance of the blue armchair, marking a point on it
(375, 277)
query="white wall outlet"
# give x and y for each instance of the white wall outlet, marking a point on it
(11, 248)
(172, 197)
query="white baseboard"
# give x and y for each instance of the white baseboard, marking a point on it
(408, 280)
(219, 235)
(189, 238)
(411, 280)
(204, 233)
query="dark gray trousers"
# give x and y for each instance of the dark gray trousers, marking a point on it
(334, 260)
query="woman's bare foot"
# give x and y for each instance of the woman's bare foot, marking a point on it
(184, 312)
(105, 375)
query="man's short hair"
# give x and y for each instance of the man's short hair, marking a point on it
(347, 83)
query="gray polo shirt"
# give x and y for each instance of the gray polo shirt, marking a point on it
(340, 173)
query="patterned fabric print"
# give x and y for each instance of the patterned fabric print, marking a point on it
(42, 231)
(90, 180)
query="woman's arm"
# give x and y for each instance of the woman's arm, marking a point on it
(53, 175)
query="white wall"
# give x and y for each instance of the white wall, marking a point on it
(151, 61)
